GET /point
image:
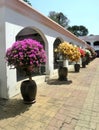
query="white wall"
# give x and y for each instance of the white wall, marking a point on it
(11, 23)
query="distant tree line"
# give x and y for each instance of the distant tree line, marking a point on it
(27, 1)
(61, 19)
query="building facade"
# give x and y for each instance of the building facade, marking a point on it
(18, 20)
(93, 41)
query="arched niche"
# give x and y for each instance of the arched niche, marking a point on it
(33, 33)
(55, 55)
(97, 51)
(96, 43)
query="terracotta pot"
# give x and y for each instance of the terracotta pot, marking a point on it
(28, 91)
(83, 62)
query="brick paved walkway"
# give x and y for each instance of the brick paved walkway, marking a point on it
(60, 105)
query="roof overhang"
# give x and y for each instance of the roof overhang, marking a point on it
(27, 10)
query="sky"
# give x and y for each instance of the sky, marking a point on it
(79, 12)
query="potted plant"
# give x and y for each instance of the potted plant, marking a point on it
(88, 56)
(26, 55)
(66, 51)
(75, 57)
(83, 57)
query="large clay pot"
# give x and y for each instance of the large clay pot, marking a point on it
(77, 67)
(83, 62)
(87, 59)
(62, 73)
(28, 91)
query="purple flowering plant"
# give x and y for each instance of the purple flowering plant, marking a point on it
(26, 54)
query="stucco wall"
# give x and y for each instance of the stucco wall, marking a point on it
(91, 39)
(12, 20)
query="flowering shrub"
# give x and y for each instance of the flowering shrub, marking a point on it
(69, 51)
(93, 53)
(88, 52)
(82, 52)
(26, 54)
(65, 49)
(75, 54)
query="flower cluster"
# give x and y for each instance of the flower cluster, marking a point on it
(65, 49)
(69, 51)
(25, 53)
(75, 54)
(88, 52)
(82, 52)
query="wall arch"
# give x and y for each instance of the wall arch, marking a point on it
(57, 41)
(96, 43)
(33, 33)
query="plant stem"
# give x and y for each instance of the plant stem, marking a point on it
(30, 78)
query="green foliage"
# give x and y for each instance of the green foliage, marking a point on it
(27, 2)
(78, 30)
(59, 18)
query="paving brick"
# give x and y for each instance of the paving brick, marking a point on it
(97, 127)
(59, 106)
(78, 128)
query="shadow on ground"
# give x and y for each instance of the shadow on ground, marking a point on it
(12, 108)
(73, 72)
(58, 82)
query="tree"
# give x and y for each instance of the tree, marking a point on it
(78, 30)
(27, 2)
(59, 18)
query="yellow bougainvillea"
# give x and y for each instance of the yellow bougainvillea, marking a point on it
(69, 51)
(76, 55)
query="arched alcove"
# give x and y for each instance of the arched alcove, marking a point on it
(96, 43)
(36, 34)
(56, 56)
(97, 51)
(96, 46)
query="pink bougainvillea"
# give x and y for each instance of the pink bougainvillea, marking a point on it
(26, 53)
